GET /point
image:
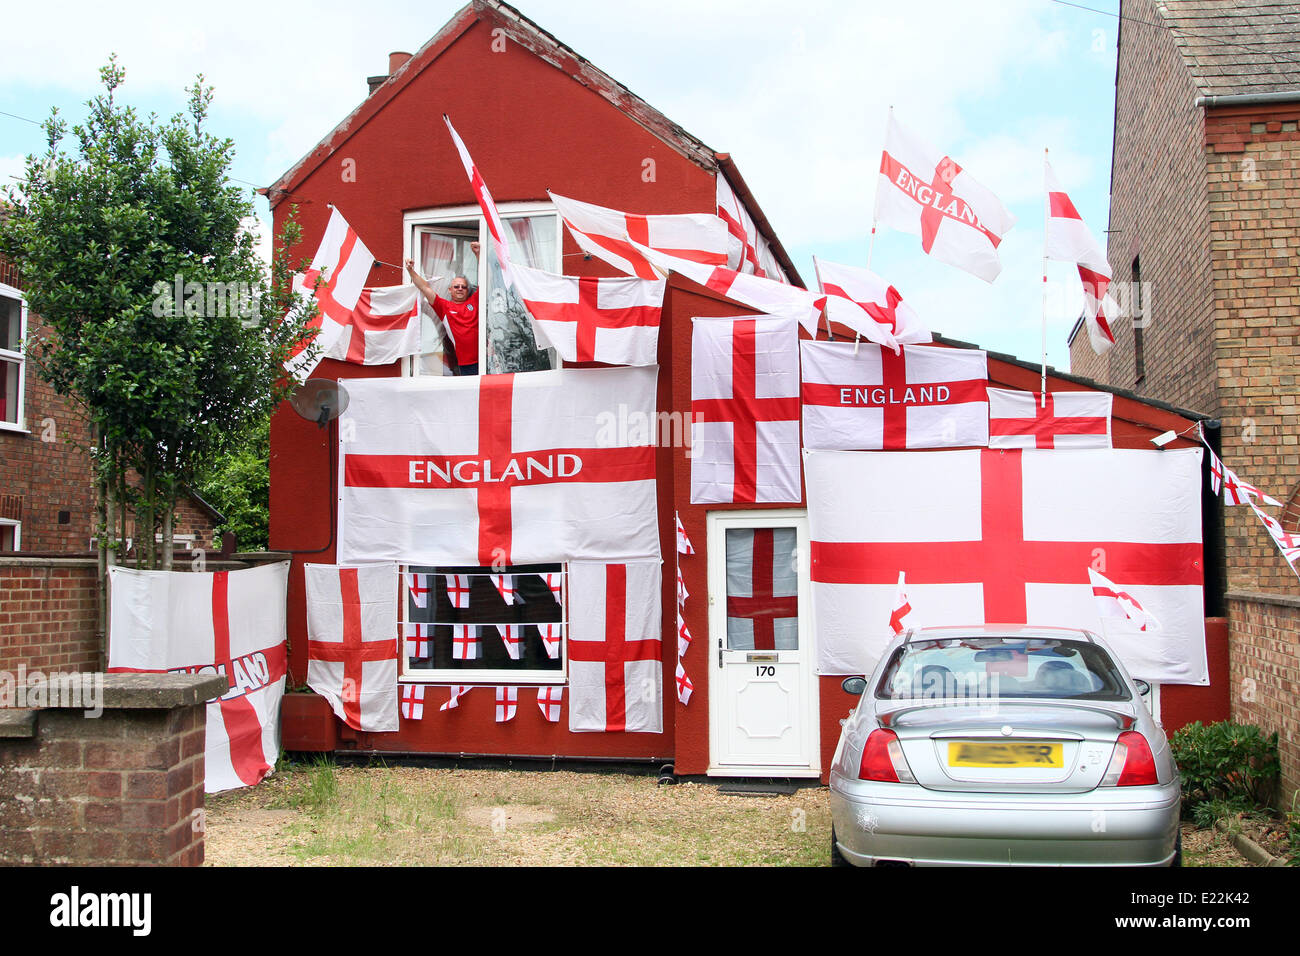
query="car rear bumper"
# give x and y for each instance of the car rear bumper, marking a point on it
(878, 822)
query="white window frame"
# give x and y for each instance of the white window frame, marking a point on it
(441, 215)
(483, 677)
(18, 531)
(17, 358)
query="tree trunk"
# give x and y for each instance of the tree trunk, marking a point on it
(168, 510)
(104, 518)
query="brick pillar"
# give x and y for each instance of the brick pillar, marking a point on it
(121, 788)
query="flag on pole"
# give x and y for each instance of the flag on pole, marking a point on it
(745, 410)
(335, 279)
(1068, 240)
(683, 635)
(1112, 602)
(614, 236)
(902, 607)
(613, 321)
(496, 231)
(383, 327)
(867, 304)
(682, 593)
(922, 191)
(352, 644)
(1065, 420)
(228, 622)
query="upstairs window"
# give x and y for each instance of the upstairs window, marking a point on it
(1139, 323)
(13, 329)
(441, 245)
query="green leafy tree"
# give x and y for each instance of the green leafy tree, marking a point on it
(164, 324)
(240, 488)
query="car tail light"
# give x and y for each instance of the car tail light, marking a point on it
(1132, 764)
(882, 759)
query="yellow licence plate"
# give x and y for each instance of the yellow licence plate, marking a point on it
(966, 753)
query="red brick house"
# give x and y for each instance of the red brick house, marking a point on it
(392, 170)
(1204, 215)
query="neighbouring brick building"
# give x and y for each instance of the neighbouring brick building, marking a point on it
(1205, 216)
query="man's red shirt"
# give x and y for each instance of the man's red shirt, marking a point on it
(462, 319)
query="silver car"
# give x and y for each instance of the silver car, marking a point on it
(1002, 745)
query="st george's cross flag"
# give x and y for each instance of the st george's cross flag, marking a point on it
(1114, 602)
(684, 545)
(922, 191)
(419, 639)
(225, 622)
(383, 327)
(550, 632)
(465, 644)
(615, 649)
(867, 304)
(505, 585)
(412, 700)
(902, 608)
(869, 398)
(614, 236)
(1068, 240)
(1007, 537)
(549, 699)
(457, 691)
(352, 642)
(586, 319)
(528, 468)
(496, 231)
(744, 410)
(507, 703)
(513, 637)
(685, 687)
(417, 585)
(762, 295)
(458, 590)
(334, 279)
(762, 589)
(1020, 419)
(752, 253)
(1287, 543)
(683, 635)
(1238, 492)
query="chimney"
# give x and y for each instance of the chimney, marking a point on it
(396, 61)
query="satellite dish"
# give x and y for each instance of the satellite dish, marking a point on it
(320, 400)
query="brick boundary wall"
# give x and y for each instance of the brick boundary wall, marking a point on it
(1265, 648)
(121, 789)
(48, 614)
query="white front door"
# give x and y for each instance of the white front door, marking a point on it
(763, 685)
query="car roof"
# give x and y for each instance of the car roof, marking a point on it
(1017, 631)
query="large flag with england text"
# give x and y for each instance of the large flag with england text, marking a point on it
(922, 191)
(223, 622)
(1008, 537)
(867, 397)
(499, 469)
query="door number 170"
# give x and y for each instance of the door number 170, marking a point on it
(765, 670)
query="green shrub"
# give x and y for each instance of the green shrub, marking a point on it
(1226, 761)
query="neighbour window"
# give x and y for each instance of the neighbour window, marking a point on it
(10, 535)
(441, 246)
(13, 328)
(474, 625)
(1140, 320)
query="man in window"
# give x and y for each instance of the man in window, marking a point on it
(460, 313)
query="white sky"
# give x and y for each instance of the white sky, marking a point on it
(797, 93)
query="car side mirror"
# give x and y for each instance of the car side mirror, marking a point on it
(1143, 687)
(854, 685)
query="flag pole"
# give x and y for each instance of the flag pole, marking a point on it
(1047, 204)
